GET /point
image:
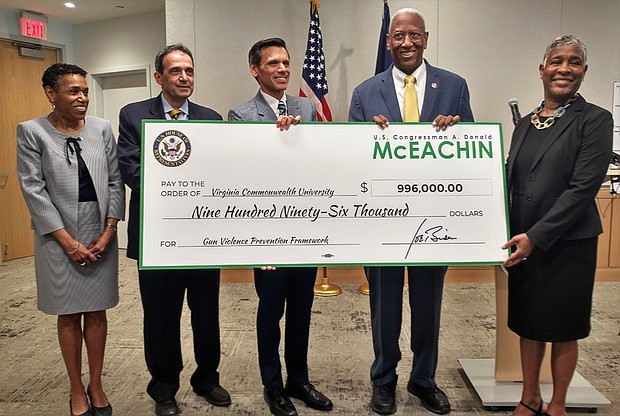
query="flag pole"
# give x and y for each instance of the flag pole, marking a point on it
(325, 288)
(384, 60)
(314, 86)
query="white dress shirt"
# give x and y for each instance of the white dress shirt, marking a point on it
(420, 86)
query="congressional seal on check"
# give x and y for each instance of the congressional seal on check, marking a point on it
(233, 194)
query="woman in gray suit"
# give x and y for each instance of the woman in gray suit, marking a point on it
(69, 175)
(558, 158)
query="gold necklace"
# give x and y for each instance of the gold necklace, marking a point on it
(559, 112)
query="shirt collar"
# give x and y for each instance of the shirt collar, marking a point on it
(273, 102)
(168, 107)
(399, 76)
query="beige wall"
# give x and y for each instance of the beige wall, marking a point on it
(118, 44)
(496, 45)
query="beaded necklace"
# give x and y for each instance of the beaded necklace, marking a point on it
(559, 112)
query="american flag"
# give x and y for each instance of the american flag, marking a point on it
(313, 80)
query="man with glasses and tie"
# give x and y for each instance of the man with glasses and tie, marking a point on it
(290, 287)
(410, 90)
(163, 291)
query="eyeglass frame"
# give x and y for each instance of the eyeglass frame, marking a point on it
(413, 36)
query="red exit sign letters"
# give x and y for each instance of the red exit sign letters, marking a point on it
(33, 28)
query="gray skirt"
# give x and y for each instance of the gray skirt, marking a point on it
(63, 286)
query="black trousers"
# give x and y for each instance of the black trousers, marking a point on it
(163, 295)
(293, 287)
(386, 314)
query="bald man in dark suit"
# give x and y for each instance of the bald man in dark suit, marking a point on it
(444, 99)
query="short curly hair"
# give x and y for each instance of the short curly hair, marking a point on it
(52, 75)
(566, 40)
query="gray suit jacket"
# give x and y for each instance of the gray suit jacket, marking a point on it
(50, 184)
(257, 109)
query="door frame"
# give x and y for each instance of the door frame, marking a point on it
(96, 76)
(96, 108)
(36, 43)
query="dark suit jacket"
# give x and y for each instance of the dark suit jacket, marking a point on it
(566, 174)
(129, 146)
(257, 109)
(446, 93)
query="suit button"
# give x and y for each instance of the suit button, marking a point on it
(532, 177)
(529, 197)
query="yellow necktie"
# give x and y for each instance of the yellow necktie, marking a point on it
(174, 114)
(411, 100)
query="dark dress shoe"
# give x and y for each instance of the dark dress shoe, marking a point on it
(167, 408)
(102, 411)
(99, 411)
(384, 398)
(310, 396)
(432, 398)
(279, 403)
(217, 396)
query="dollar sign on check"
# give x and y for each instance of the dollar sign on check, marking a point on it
(364, 187)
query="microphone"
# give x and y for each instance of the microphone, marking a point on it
(513, 103)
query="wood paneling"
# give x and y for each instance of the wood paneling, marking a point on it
(614, 235)
(457, 274)
(608, 256)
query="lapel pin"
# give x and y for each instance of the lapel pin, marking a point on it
(433, 85)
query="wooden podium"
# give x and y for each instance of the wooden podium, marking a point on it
(507, 354)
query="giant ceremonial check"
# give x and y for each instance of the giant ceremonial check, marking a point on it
(219, 194)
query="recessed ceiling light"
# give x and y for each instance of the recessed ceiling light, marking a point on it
(70, 5)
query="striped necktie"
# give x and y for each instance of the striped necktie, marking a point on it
(411, 100)
(281, 108)
(174, 114)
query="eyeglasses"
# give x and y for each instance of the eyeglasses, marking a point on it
(399, 37)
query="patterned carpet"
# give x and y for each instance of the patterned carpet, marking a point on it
(33, 380)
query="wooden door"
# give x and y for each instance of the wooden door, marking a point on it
(21, 98)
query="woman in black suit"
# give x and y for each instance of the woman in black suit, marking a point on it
(558, 158)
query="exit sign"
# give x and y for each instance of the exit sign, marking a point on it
(33, 25)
